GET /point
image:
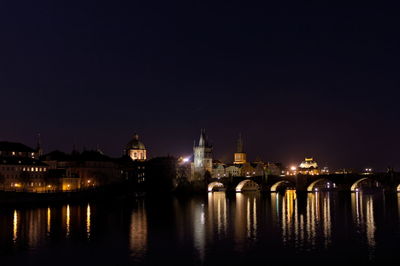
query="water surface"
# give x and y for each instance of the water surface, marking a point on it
(216, 229)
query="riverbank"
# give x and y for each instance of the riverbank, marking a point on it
(114, 191)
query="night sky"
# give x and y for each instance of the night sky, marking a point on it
(296, 79)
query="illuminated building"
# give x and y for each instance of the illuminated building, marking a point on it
(202, 157)
(22, 174)
(367, 171)
(87, 169)
(308, 167)
(134, 161)
(233, 170)
(343, 171)
(218, 170)
(20, 170)
(136, 149)
(221, 170)
(14, 149)
(240, 155)
(325, 170)
(274, 169)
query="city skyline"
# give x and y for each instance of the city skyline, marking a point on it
(199, 133)
(295, 79)
(228, 156)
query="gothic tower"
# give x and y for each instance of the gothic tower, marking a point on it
(240, 155)
(202, 156)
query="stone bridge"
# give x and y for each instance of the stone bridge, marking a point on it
(309, 183)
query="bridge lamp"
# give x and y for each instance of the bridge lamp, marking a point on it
(293, 168)
(185, 160)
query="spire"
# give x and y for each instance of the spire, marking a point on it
(203, 139)
(239, 148)
(39, 145)
(136, 136)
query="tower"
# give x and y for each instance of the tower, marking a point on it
(136, 149)
(240, 155)
(39, 148)
(202, 156)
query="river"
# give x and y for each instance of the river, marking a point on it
(214, 229)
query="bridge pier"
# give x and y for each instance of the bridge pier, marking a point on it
(301, 183)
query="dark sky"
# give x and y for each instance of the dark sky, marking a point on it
(296, 79)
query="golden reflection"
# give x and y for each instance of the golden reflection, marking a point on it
(312, 215)
(288, 206)
(275, 208)
(88, 217)
(300, 228)
(15, 226)
(327, 220)
(363, 216)
(319, 217)
(36, 220)
(138, 231)
(246, 217)
(68, 221)
(48, 220)
(217, 212)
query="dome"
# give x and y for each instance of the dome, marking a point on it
(308, 163)
(135, 144)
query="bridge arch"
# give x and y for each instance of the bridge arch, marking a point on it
(365, 180)
(281, 184)
(214, 186)
(321, 184)
(247, 185)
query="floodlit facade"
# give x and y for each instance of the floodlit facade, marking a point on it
(240, 155)
(136, 149)
(202, 157)
(308, 167)
(20, 170)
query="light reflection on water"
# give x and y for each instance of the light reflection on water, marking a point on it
(246, 217)
(15, 226)
(243, 222)
(363, 217)
(88, 224)
(138, 231)
(218, 213)
(48, 221)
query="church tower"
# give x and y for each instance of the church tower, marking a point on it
(240, 155)
(202, 156)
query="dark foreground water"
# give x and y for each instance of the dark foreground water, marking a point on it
(217, 229)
